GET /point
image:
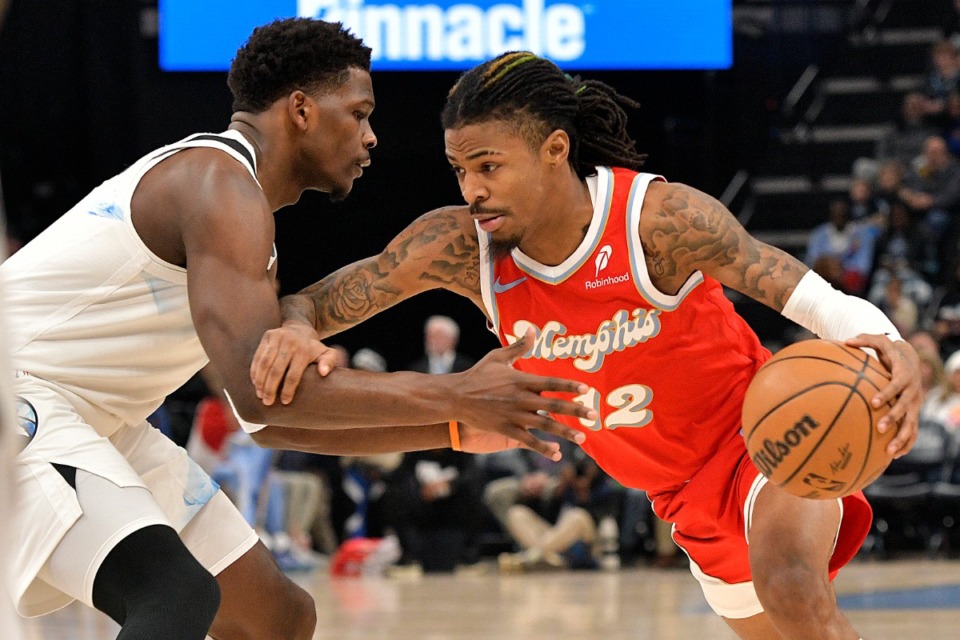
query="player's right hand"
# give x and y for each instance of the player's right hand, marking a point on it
(494, 396)
(904, 389)
(283, 355)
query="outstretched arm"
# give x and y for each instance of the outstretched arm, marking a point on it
(227, 230)
(438, 250)
(692, 231)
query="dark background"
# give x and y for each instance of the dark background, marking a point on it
(82, 97)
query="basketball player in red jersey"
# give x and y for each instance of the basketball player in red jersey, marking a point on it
(619, 275)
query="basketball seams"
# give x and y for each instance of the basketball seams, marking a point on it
(868, 360)
(869, 444)
(770, 363)
(824, 435)
(802, 392)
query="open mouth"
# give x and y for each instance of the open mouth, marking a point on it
(489, 222)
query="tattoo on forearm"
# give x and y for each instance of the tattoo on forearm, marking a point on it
(436, 251)
(692, 230)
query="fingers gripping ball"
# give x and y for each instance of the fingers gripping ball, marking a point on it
(808, 423)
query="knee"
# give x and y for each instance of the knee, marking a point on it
(518, 514)
(795, 592)
(153, 586)
(501, 493)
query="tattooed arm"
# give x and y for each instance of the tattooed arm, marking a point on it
(439, 250)
(683, 230)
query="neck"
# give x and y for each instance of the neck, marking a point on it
(279, 185)
(565, 216)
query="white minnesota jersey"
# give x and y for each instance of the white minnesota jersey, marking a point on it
(91, 309)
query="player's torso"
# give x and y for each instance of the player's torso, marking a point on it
(90, 308)
(667, 373)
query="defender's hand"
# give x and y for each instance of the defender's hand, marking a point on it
(494, 396)
(283, 355)
(902, 362)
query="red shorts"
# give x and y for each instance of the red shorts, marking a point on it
(708, 514)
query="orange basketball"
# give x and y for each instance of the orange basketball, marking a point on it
(808, 422)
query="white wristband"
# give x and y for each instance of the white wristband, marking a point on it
(832, 314)
(249, 427)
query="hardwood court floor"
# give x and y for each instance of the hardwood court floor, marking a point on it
(917, 599)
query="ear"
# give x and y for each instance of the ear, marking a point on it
(556, 148)
(299, 106)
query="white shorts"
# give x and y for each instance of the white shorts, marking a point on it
(46, 506)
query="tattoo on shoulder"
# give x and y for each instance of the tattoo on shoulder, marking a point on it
(695, 231)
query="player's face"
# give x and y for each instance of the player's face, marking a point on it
(341, 136)
(500, 177)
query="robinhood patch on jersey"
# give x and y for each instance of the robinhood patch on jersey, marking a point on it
(26, 418)
(626, 329)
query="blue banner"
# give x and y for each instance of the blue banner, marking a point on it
(456, 35)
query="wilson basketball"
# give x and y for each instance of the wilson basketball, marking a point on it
(808, 422)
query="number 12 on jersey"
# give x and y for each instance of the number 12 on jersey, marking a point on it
(629, 403)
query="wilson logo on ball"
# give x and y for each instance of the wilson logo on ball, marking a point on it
(773, 452)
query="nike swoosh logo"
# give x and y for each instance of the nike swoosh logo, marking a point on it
(501, 288)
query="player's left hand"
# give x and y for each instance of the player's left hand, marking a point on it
(474, 440)
(903, 363)
(283, 355)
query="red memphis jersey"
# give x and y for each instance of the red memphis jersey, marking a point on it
(667, 373)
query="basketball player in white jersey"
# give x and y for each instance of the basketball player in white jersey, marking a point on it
(128, 294)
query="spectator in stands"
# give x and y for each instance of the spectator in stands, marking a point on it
(901, 310)
(843, 241)
(925, 343)
(432, 502)
(636, 514)
(562, 531)
(932, 190)
(440, 337)
(906, 251)
(932, 375)
(363, 476)
(946, 315)
(520, 476)
(944, 77)
(886, 188)
(904, 142)
(942, 404)
(865, 207)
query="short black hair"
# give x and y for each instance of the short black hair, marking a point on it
(536, 97)
(293, 53)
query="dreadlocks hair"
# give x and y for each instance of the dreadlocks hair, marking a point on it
(294, 53)
(534, 96)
